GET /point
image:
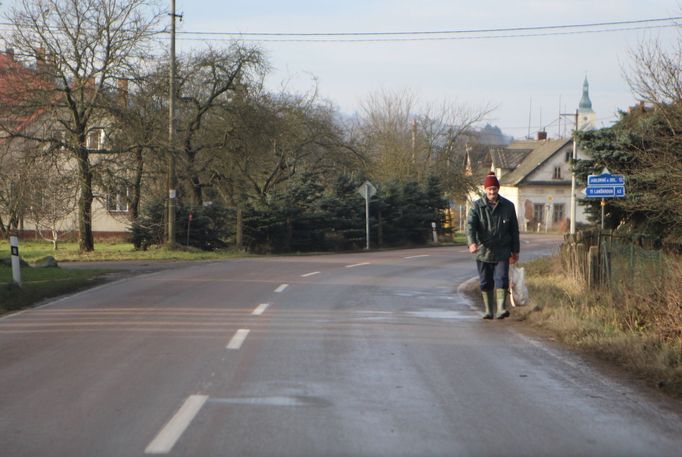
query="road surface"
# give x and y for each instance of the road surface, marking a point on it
(364, 354)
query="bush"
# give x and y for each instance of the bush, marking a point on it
(210, 227)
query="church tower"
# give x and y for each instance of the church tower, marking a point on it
(587, 119)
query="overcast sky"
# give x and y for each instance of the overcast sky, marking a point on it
(530, 79)
(525, 77)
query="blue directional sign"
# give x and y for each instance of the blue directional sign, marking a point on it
(605, 179)
(605, 185)
(605, 192)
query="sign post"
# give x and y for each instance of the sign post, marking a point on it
(367, 190)
(605, 186)
(16, 261)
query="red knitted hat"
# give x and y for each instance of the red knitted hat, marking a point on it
(491, 181)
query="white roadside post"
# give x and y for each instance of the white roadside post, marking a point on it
(16, 264)
(367, 190)
(433, 232)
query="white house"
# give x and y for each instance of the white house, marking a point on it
(536, 177)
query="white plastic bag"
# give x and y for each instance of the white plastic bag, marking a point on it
(519, 291)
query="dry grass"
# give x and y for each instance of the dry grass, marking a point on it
(639, 328)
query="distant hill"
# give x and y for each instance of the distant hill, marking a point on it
(492, 135)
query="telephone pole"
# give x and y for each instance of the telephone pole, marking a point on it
(172, 180)
(575, 158)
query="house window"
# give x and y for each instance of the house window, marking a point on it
(559, 213)
(95, 139)
(557, 173)
(59, 139)
(538, 212)
(117, 200)
(569, 156)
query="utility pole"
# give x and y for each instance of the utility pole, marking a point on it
(172, 181)
(573, 183)
(575, 157)
(414, 141)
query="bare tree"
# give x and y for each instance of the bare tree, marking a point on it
(655, 77)
(208, 82)
(52, 200)
(386, 131)
(405, 141)
(14, 187)
(270, 138)
(654, 136)
(80, 48)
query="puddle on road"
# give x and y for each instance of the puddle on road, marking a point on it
(443, 314)
(296, 400)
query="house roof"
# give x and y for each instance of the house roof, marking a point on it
(17, 82)
(538, 155)
(508, 158)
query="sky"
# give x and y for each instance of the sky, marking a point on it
(530, 80)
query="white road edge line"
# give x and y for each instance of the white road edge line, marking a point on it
(416, 256)
(238, 339)
(310, 274)
(260, 309)
(357, 265)
(281, 288)
(170, 433)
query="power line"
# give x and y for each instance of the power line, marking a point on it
(442, 32)
(379, 40)
(413, 36)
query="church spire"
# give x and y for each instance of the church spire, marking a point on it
(588, 118)
(585, 102)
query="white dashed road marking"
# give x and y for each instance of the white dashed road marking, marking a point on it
(260, 309)
(238, 339)
(310, 274)
(175, 427)
(416, 256)
(281, 288)
(357, 265)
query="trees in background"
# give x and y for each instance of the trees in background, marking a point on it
(405, 141)
(645, 145)
(257, 169)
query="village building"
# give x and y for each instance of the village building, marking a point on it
(54, 214)
(536, 176)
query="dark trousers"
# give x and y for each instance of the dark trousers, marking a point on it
(493, 275)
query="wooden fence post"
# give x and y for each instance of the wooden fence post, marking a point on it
(593, 267)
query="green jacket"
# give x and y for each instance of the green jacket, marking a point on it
(495, 231)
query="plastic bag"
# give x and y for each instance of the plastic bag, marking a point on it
(519, 291)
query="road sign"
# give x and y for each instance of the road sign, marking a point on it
(605, 191)
(605, 185)
(605, 179)
(367, 190)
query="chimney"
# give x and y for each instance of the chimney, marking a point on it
(542, 135)
(122, 85)
(10, 53)
(40, 60)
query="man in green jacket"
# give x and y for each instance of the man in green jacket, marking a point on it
(493, 235)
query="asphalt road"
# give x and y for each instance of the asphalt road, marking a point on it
(367, 354)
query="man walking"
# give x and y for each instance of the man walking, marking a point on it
(493, 235)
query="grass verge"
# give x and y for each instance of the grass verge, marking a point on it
(640, 331)
(39, 284)
(31, 251)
